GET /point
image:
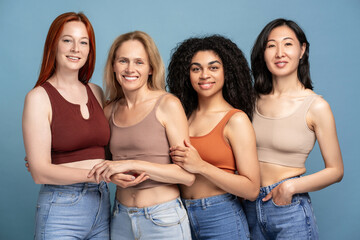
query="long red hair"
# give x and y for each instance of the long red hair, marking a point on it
(48, 64)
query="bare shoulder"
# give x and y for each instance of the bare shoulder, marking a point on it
(319, 106)
(98, 92)
(170, 103)
(37, 96)
(108, 110)
(239, 119)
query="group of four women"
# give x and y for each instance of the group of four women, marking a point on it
(198, 141)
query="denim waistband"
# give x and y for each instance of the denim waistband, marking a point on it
(204, 202)
(147, 210)
(266, 190)
(75, 187)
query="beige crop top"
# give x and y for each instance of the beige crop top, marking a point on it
(145, 140)
(285, 141)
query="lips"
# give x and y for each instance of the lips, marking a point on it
(280, 64)
(206, 85)
(130, 78)
(73, 58)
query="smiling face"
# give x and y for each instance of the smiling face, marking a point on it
(283, 52)
(207, 73)
(73, 46)
(131, 65)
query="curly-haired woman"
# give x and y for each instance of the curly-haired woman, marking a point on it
(212, 79)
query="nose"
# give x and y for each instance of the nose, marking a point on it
(75, 47)
(204, 74)
(130, 67)
(279, 52)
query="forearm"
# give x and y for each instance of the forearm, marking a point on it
(59, 175)
(314, 182)
(168, 173)
(235, 184)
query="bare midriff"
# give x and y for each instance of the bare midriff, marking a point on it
(273, 173)
(131, 197)
(201, 188)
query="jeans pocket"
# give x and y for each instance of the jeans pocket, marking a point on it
(66, 198)
(168, 217)
(295, 201)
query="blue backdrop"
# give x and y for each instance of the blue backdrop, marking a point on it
(332, 28)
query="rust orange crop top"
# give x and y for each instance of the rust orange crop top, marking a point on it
(214, 149)
(74, 138)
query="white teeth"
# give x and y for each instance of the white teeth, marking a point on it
(74, 58)
(130, 78)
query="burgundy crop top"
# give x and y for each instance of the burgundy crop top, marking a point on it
(74, 138)
(214, 149)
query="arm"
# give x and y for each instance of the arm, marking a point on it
(241, 136)
(322, 122)
(171, 114)
(37, 141)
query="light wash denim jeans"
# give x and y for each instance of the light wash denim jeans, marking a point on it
(164, 221)
(77, 211)
(217, 217)
(270, 221)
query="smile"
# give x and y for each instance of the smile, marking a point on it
(206, 85)
(73, 58)
(280, 64)
(130, 78)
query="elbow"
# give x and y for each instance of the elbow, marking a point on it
(190, 180)
(38, 178)
(254, 194)
(340, 175)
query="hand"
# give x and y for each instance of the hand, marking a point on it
(126, 180)
(106, 169)
(27, 164)
(281, 194)
(187, 157)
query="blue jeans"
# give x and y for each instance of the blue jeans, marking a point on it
(270, 221)
(163, 221)
(77, 211)
(217, 217)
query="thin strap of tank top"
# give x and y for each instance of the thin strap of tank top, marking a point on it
(220, 126)
(153, 110)
(306, 104)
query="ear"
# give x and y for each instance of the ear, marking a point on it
(151, 71)
(303, 48)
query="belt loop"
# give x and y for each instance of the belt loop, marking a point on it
(146, 213)
(203, 203)
(181, 203)
(84, 188)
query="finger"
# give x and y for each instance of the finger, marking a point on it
(25, 159)
(267, 197)
(95, 168)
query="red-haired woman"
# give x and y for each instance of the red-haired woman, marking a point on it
(65, 131)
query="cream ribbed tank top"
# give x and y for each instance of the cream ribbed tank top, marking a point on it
(285, 141)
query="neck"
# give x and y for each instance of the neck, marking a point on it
(66, 78)
(212, 103)
(132, 98)
(288, 85)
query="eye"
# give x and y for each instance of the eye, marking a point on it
(139, 62)
(84, 43)
(288, 44)
(122, 61)
(66, 40)
(195, 69)
(270, 46)
(214, 68)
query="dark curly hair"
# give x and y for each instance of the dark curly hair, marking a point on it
(262, 76)
(237, 90)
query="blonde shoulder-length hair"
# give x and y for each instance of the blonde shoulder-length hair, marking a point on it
(156, 81)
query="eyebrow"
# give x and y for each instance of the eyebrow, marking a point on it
(73, 37)
(210, 63)
(286, 38)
